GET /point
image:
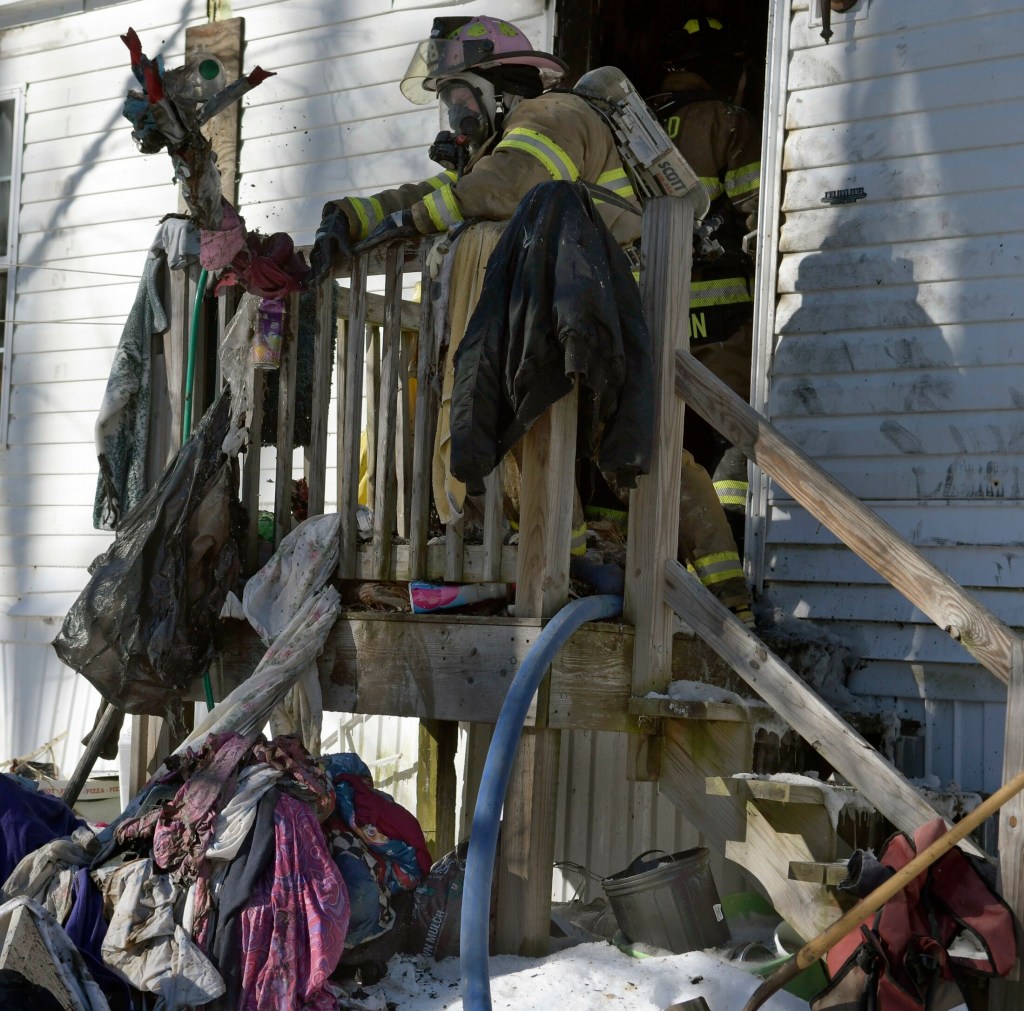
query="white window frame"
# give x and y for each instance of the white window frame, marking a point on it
(9, 256)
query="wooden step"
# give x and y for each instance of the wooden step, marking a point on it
(828, 873)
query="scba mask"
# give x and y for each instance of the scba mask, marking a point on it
(469, 109)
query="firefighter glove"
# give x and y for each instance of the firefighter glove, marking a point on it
(333, 240)
(398, 225)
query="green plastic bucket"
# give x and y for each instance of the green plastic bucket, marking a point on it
(670, 901)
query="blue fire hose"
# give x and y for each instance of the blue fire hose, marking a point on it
(483, 838)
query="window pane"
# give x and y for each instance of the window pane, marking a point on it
(6, 137)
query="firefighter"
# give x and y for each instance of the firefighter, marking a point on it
(504, 133)
(722, 143)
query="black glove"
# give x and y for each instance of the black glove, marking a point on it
(332, 239)
(450, 150)
(398, 225)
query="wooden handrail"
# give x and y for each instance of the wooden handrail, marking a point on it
(951, 607)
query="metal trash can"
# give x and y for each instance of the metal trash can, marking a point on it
(670, 901)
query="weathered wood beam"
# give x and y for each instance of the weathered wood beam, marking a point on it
(459, 667)
(867, 535)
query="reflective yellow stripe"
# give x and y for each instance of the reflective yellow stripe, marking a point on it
(441, 179)
(720, 291)
(719, 567)
(743, 180)
(713, 186)
(731, 492)
(369, 212)
(617, 181)
(559, 165)
(443, 210)
(578, 544)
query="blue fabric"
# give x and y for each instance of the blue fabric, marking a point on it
(28, 820)
(86, 928)
(363, 896)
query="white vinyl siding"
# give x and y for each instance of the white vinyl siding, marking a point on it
(897, 360)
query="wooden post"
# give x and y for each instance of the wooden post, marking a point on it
(653, 535)
(1008, 994)
(526, 851)
(386, 492)
(224, 40)
(251, 470)
(316, 451)
(350, 410)
(286, 422)
(424, 425)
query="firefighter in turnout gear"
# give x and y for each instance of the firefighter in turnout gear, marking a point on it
(722, 144)
(503, 133)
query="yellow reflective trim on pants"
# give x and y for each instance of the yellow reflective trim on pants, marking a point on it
(559, 165)
(718, 567)
(443, 210)
(720, 291)
(578, 544)
(731, 492)
(713, 186)
(743, 180)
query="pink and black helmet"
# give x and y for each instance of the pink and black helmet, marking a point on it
(459, 44)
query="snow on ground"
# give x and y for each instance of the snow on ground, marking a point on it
(581, 978)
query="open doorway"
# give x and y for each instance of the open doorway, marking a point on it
(635, 36)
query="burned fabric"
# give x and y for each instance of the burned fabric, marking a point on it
(142, 629)
(558, 300)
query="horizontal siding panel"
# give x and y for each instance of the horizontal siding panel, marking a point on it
(35, 429)
(138, 205)
(49, 398)
(22, 463)
(77, 551)
(910, 39)
(815, 601)
(892, 177)
(102, 25)
(64, 579)
(932, 681)
(106, 177)
(950, 390)
(395, 132)
(872, 224)
(931, 347)
(78, 302)
(67, 489)
(913, 134)
(921, 523)
(928, 477)
(939, 302)
(83, 154)
(100, 240)
(80, 272)
(909, 436)
(62, 367)
(962, 257)
(944, 87)
(980, 566)
(43, 520)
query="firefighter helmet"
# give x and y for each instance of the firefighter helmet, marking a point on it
(460, 44)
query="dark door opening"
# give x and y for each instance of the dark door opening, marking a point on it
(635, 36)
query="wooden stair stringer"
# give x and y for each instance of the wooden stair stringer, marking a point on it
(695, 752)
(880, 783)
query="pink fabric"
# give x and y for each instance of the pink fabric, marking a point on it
(293, 930)
(218, 249)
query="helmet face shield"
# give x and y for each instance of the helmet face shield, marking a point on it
(468, 106)
(433, 58)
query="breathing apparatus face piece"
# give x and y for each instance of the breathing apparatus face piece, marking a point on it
(468, 108)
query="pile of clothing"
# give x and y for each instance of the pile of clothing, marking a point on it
(237, 879)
